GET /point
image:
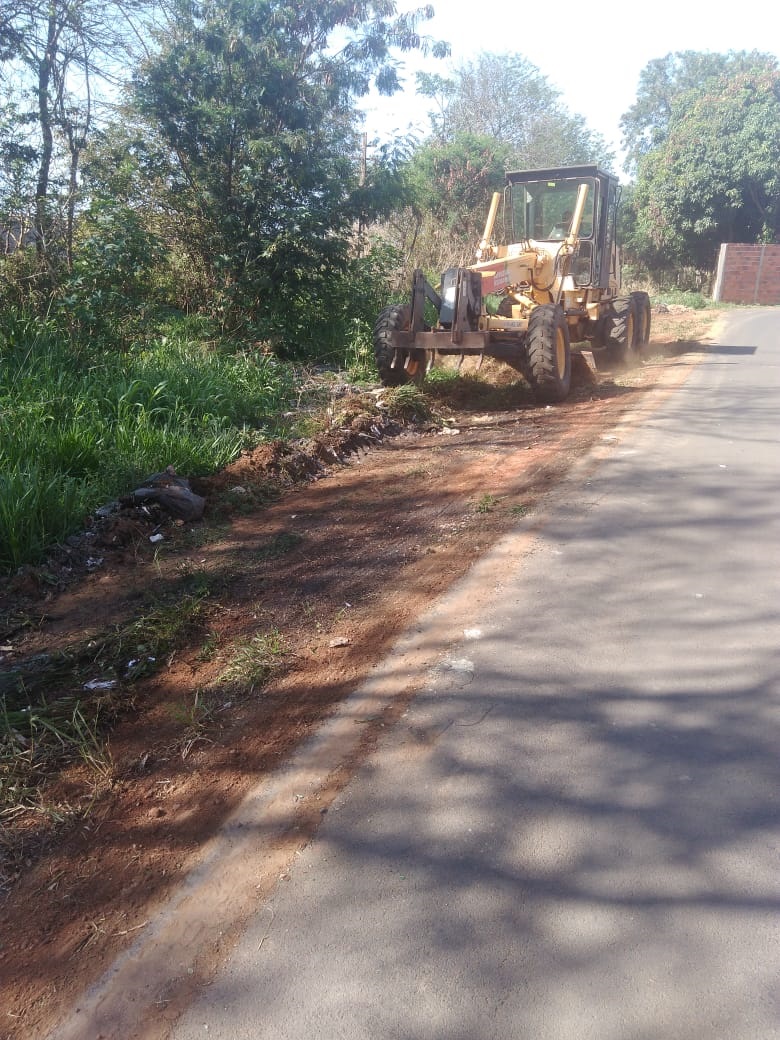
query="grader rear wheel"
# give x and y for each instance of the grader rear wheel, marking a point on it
(548, 353)
(642, 312)
(620, 331)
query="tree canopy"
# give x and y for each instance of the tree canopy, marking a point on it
(253, 101)
(210, 155)
(505, 97)
(489, 115)
(664, 81)
(51, 57)
(709, 169)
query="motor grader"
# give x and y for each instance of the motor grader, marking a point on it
(553, 288)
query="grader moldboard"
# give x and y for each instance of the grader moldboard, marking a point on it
(526, 303)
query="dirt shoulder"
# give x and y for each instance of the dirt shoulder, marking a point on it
(288, 604)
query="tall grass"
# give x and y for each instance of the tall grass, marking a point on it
(80, 425)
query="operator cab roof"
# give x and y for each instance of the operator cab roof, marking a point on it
(558, 173)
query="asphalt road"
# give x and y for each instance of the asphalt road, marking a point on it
(573, 833)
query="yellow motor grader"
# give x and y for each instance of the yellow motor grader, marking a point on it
(556, 284)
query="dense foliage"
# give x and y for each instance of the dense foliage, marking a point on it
(231, 180)
(255, 110)
(704, 136)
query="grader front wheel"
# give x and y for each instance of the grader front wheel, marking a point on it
(396, 367)
(548, 353)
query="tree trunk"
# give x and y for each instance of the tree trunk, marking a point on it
(42, 215)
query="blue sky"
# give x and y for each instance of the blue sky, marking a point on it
(593, 59)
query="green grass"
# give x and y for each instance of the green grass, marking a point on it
(408, 403)
(486, 504)
(252, 661)
(81, 425)
(695, 300)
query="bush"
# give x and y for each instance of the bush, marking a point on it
(112, 286)
(333, 322)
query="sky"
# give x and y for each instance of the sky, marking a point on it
(592, 54)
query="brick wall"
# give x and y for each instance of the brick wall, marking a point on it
(748, 274)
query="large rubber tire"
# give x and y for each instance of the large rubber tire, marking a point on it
(597, 342)
(620, 331)
(548, 353)
(396, 318)
(642, 325)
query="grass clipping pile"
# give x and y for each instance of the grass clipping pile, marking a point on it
(148, 684)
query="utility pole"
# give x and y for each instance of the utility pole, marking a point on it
(363, 158)
(362, 182)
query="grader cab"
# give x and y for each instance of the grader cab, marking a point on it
(553, 287)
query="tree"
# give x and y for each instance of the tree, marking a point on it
(505, 97)
(18, 160)
(715, 175)
(51, 56)
(664, 81)
(450, 183)
(254, 104)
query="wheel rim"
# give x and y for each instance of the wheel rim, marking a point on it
(560, 352)
(630, 331)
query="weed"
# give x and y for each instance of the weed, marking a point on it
(695, 300)
(194, 714)
(470, 391)
(50, 714)
(519, 511)
(14, 621)
(408, 403)
(58, 732)
(279, 545)
(360, 355)
(160, 631)
(253, 660)
(486, 504)
(94, 751)
(210, 646)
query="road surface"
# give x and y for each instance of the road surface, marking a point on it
(573, 832)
